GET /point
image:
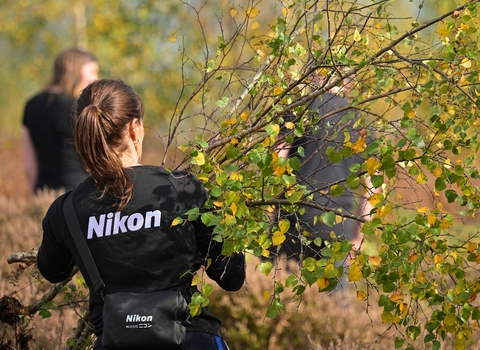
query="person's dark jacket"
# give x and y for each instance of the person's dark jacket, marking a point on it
(140, 249)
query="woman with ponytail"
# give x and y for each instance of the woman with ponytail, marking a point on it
(115, 207)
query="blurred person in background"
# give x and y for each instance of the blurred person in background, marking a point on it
(50, 159)
(318, 173)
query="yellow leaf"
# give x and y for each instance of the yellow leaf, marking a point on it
(285, 11)
(355, 272)
(233, 12)
(471, 247)
(375, 260)
(437, 172)
(372, 165)
(387, 317)
(278, 90)
(230, 219)
(278, 238)
(432, 218)
(234, 141)
(177, 221)
(236, 176)
(404, 309)
(194, 309)
(450, 320)
(422, 210)
(396, 297)
(444, 224)
(252, 12)
(196, 280)
(422, 179)
(289, 125)
(375, 199)
(284, 225)
(233, 206)
(356, 36)
(437, 259)
(413, 256)
(255, 25)
(411, 114)
(173, 37)
(384, 210)
(443, 31)
(322, 283)
(466, 63)
(361, 295)
(199, 159)
(266, 253)
(360, 145)
(324, 72)
(217, 203)
(266, 295)
(244, 116)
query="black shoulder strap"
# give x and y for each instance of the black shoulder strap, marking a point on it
(81, 244)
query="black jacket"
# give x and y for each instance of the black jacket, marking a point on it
(138, 249)
(48, 117)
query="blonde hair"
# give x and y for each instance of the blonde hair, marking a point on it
(67, 71)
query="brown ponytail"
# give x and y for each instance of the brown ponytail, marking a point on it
(103, 110)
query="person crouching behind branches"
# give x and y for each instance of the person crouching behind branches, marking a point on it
(109, 136)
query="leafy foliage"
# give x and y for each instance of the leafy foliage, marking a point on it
(412, 89)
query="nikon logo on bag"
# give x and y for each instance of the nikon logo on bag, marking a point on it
(136, 319)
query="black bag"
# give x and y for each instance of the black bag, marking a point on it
(144, 321)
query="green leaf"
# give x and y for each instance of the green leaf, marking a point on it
(294, 197)
(265, 267)
(337, 190)
(399, 342)
(210, 219)
(440, 184)
(451, 196)
(291, 281)
(353, 181)
(294, 163)
(223, 102)
(272, 312)
(232, 152)
(377, 181)
(216, 192)
(329, 218)
(45, 313)
(193, 214)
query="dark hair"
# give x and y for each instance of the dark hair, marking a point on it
(67, 71)
(103, 110)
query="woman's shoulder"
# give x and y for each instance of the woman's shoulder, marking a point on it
(178, 178)
(156, 170)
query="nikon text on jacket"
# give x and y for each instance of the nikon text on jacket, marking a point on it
(111, 224)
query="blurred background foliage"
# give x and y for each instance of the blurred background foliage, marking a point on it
(156, 46)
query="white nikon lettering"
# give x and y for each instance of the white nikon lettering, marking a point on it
(112, 224)
(138, 318)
